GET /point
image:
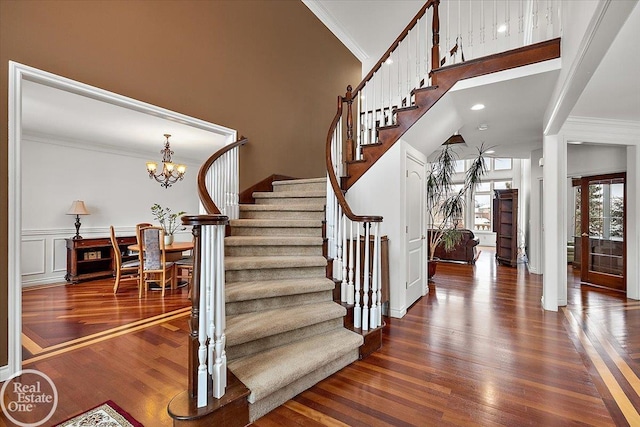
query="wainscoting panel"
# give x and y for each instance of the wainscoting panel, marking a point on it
(59, 255)
(33, 256)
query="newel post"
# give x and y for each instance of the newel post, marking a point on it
(350, 147)
(435, 28)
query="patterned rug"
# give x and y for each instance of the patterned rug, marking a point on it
(107, 414)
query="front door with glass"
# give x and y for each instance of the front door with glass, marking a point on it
(600, 230)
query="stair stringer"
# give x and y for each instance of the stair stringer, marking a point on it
(443, 80)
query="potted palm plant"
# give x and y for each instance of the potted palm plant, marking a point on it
(446, 200)
(168, 221)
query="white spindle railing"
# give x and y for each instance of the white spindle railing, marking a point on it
(218, 191)
(223, 184)
(218, 181)
(466, 29)
(357, 287)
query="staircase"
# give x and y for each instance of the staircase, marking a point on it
(284, 332)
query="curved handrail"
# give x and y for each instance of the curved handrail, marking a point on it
(346, 209)
(203, 193)
(394, 45)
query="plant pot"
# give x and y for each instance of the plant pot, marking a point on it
(168, 239)
(431, 268)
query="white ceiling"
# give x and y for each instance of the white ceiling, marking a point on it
(53, 114)
(367, 27)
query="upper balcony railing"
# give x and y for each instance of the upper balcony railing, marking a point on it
(444, 32)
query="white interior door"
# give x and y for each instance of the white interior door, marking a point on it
(415, 210)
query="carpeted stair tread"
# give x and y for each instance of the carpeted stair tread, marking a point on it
(260, 262)
(273, 241)
(243, 291)
(246, 327)
(288, 182)
(289, 194)
(276, 223)
(265, 372)
(287, 207)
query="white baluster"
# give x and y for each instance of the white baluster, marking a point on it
(220, 365)
(343, 284)
(338, 264)
(350, 287)
(202, 329)
(366, 279)
(379, 268)
(373, 323)
(357, 314)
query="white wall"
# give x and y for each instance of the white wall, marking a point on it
(380, 192)
(115, 188)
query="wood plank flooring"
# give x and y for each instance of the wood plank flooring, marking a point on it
(477, 350)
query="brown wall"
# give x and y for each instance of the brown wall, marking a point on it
(269, 69)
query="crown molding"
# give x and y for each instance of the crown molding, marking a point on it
(330, 21)
(599, 130)
(44, 138)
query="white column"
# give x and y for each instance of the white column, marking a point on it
(633, 227)
(554, 220)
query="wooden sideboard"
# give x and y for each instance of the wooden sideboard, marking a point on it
(94, 258)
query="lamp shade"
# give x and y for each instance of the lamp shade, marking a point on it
(77, 208)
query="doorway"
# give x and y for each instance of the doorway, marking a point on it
(415, 253)
(18, 75)
(600, 229)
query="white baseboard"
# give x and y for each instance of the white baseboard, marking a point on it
(398, 314)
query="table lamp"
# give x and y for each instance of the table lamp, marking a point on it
(77, 208)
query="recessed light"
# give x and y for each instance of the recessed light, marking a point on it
(483, 126)
(490, 151)
(478, 107)
(389, 61)
(502, 28)
(574, 142)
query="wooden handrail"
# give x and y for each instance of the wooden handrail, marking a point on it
(203, 193)
(346, 209)
(395, 44)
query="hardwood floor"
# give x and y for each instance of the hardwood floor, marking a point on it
(477, 350)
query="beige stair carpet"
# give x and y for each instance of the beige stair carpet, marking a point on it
(284, 332)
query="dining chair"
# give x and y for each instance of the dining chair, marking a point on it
(128, 270)
(152, 256)
(140, 226)
(184, 271)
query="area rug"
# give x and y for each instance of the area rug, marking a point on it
(107, 414)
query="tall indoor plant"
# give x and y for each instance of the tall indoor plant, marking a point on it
(445, 203)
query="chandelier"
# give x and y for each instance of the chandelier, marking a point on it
(171, 173)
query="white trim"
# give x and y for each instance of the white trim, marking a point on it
(4, 373)
(625, 133)
(336, 28)
(18, 72)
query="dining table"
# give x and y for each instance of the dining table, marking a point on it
(173, 253)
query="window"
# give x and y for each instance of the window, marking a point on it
(483, 187)
(482, 212)
(501, 185)
(501, 164)
(483, 203)
(459, 166)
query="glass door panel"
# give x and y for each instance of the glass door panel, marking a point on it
(602, 227)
